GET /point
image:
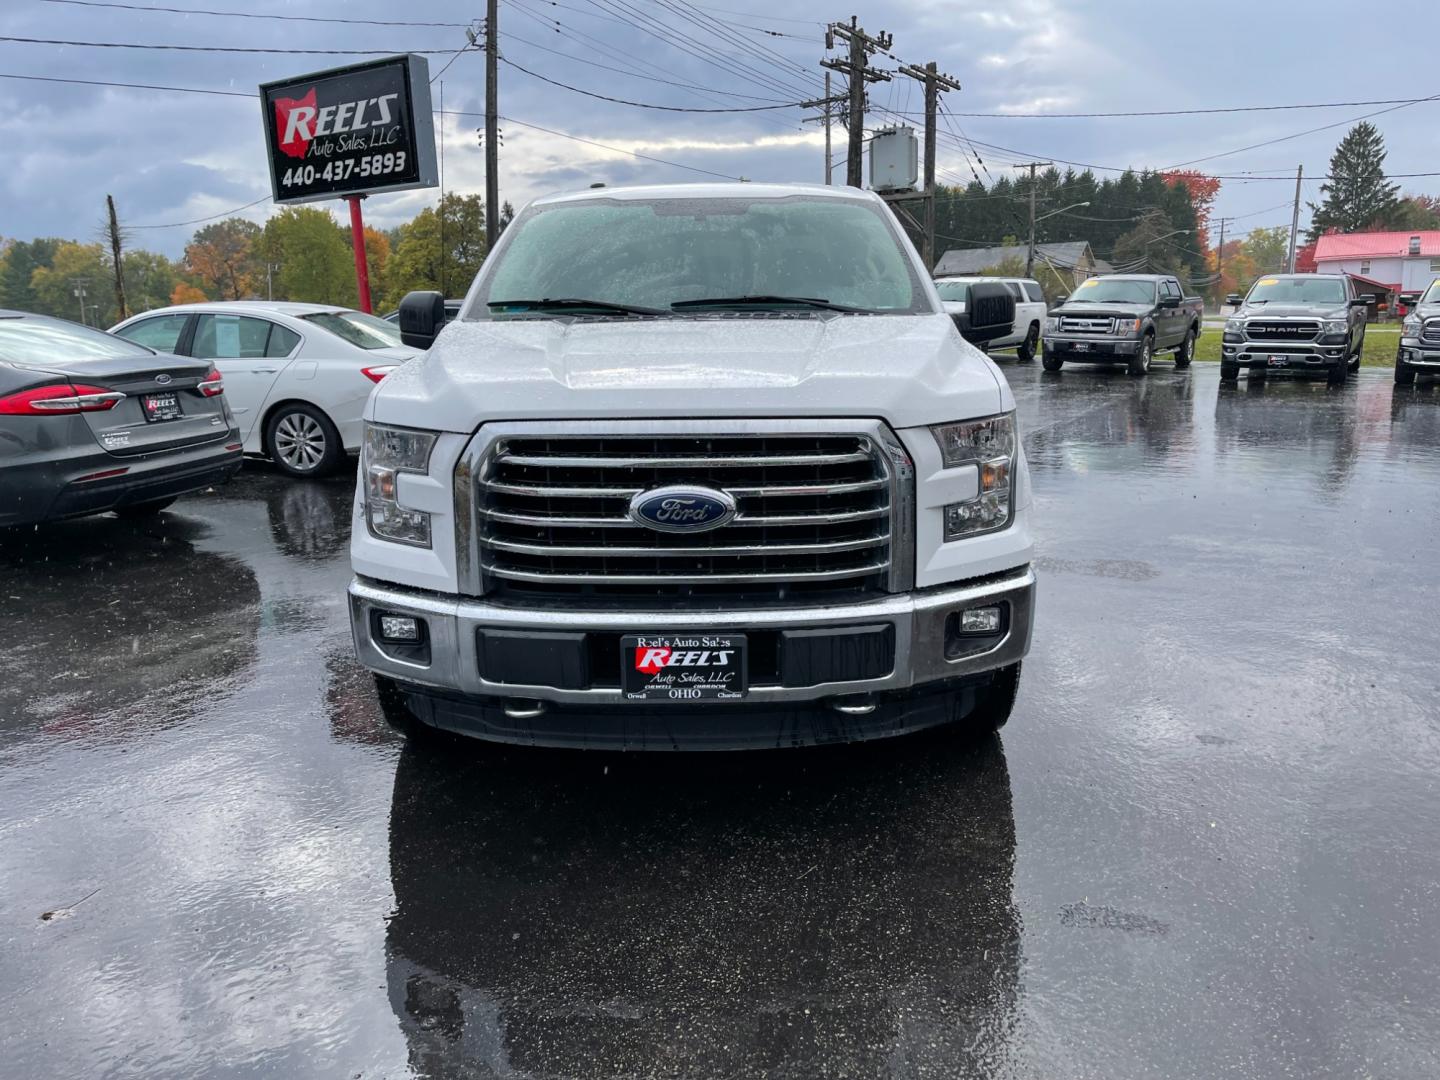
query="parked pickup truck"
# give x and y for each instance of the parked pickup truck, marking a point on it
(1123, 319)
(703, 466)
(1419, 350)
(1023, 333)
(1297, 322)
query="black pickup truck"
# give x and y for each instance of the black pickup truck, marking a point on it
(1297, 322)
(1123, 319)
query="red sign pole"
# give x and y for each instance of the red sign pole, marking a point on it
(357, 237)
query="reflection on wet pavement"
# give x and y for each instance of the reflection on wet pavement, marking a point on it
(1205, 849)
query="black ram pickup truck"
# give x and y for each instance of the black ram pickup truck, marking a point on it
(1123, 319)
(1296, 322)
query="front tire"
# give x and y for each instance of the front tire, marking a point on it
(1186, 352)
(303, 441)
(1336, 375)
(1229, 372)
(1025, 351)
(1140, 362)
(144, 509)
(1404, 373)
(994, 703)
(1359, 354)
(397, 714)
(1050, 362)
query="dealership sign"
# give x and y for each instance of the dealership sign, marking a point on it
(350, 131)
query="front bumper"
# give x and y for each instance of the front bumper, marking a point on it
(1417, 354)
(1280, 356)
(578, 701)
(1091, 350)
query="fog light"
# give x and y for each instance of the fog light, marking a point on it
(980, 620)
(400, 628)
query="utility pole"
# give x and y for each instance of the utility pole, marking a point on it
(1220, 264)
(1030, 248)
(934, 83)
(121, 311)
(1294, 221)
(857, 69)
(78, 291)
(492, 125)
(826, 107)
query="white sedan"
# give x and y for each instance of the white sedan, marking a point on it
(296, 375)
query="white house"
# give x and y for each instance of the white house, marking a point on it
(1399, 261)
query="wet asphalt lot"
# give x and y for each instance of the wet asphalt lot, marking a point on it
(1206, 845)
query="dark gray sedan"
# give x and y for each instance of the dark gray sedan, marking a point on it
(91, 423)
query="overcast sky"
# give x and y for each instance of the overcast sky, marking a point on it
(173, 157)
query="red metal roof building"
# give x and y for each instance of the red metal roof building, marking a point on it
(1398, 261)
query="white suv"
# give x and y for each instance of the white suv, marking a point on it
(698, 466)
(1024, 336)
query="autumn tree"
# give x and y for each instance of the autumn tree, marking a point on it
(1357, 195)
(1202, 190)
(222, 258)
(74, 266)
(312, 254)
(185, 293)
(438, 249)
(18, 263)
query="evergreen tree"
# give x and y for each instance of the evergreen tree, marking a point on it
(1357, 195)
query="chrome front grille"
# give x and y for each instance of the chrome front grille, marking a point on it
(1074, 324)
(1288, 331)
(816, 510)
(1430, 332)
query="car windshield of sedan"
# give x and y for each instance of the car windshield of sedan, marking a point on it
(1115, 291)
(1303, 290)
(357, 328)
(800, 254)
(36, 339)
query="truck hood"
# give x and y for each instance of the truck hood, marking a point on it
(1292, 311)
(1101, 310)
(906, 369)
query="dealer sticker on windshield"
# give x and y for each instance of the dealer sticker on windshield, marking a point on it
(684, 667)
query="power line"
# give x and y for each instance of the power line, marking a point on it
(214, 48)
(615, 149)
(1189, 112)
(199, 221)
(128, 85)
(646, 104)
(246, 14)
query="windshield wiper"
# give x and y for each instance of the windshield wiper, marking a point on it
(729, 301)
(570, 303)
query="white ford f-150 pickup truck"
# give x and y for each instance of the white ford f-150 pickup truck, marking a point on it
(701, 466)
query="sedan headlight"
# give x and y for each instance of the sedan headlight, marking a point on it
(388, 452)
(1334, 326)
(1411, 326)
(989, 445)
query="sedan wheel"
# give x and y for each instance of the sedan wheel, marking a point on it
(302, 441)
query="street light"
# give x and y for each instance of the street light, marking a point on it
(1157, 239)
(1062, 210)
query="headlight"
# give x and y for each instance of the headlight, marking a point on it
(988, 444)
(1334, 326)
(1127, 327)
(1052, 325)
(1411, 326)
(388, 452)
(1234, 326)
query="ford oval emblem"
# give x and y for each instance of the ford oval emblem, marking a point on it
(682, 509)
(163, 379)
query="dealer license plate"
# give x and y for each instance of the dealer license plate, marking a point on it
(161, 406)
(1081, 346)
(1279, 361)
(683, 667)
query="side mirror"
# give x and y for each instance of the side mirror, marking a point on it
(1366, 298)
(1234, 299)
(1169, 302)
(989, 313)
(1061, 299)
(1409, 299)
(422, 314)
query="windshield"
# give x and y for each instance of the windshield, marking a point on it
(1115, 291)
(36, 339)
(1432, 294)
(1298, 290)
(953, 290)
(653, 253)
(357, 328)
